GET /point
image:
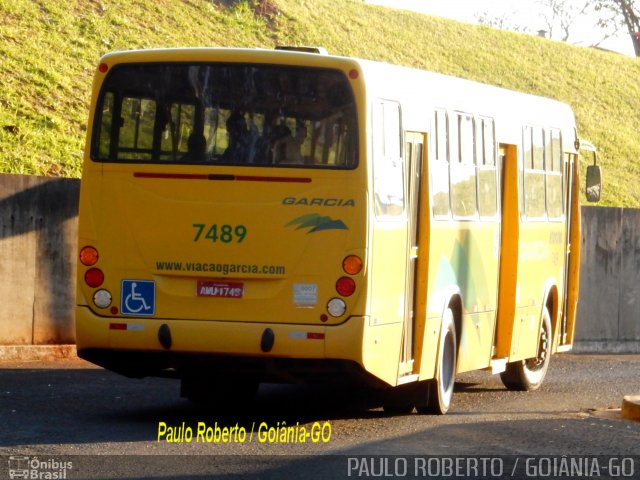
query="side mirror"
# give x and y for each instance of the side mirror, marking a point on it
(594, 183)
(594, 174)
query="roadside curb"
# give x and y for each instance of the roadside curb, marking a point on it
(631, 407)
(30, 353)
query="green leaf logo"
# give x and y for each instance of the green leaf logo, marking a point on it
(317, 223)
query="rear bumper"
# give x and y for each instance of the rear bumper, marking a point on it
(138, 364)
(132, 347)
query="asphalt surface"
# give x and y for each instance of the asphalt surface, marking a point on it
(70, 409)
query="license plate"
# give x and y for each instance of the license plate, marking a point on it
(219, 289)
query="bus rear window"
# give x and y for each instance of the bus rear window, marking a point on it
(226, 114)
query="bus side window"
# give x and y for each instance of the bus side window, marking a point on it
(486, 164)
(440, 167)
(534, 174)
(388, 166)
(553, 170)
(463, 169)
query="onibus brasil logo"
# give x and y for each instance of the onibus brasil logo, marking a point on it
(34, 467)
(316, 223)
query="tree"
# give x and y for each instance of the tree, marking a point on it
(502, 22)
(562, 14)
(558, 17)
(622, 13)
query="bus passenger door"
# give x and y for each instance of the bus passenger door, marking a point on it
(506, 325)
(414, 153)
(572, 253)
(388, 270)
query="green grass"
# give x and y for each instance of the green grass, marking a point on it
(49, 49)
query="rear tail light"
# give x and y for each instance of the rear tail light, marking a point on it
(88, 256)
(352, 264)
(345, 286)
(102, 298)
(94, 277)
(336, 307)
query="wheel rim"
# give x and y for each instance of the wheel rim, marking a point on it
(537, 363)
(448, 353)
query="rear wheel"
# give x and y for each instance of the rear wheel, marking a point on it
(528, 374)
(440, 390)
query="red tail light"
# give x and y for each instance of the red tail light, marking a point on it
(94, 277)
(345, 286)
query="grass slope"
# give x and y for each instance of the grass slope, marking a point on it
(48, 50)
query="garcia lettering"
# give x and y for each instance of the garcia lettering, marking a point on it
(319, 202)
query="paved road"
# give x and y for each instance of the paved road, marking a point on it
(52, 410)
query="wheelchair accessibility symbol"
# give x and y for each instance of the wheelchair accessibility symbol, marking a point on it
(138, 297)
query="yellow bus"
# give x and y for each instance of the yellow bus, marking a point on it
(285, 215)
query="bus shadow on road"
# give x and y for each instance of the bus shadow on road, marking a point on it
(70, 406)
(275, 403)
(61, 406)
(86, 405)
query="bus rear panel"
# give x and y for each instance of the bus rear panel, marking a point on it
(224, 215)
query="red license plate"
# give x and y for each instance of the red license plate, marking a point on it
(219, 289)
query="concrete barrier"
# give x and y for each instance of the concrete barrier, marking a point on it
(609, 302)
(38, 252)
(39, 218)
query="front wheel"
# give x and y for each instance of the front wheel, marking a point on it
(528, 374)
(440, 389)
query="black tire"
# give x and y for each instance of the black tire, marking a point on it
(440, 389)
(527, 375)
